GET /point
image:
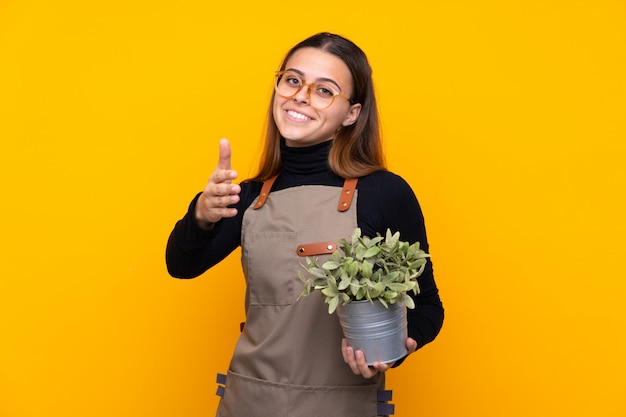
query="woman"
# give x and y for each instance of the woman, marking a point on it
(291, 359)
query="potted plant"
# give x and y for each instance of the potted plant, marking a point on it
(367, 281)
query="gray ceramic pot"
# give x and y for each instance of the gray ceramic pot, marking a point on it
(379, 332)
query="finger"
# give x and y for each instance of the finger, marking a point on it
(348, 357)
(411, 345)
(213, 200)
(221, 189)
(361, 363)
(225, 153)
(223, 172)
(221, 176)
(226, 212)
(344, 348)
(381, 367)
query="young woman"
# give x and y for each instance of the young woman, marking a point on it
(291, 359)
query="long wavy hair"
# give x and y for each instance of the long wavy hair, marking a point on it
(356, 149)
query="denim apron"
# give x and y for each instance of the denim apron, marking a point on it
(287, 361)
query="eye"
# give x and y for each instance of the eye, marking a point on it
(324, 90)
(292, 80)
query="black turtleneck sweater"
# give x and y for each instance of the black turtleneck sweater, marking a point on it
(384, 201)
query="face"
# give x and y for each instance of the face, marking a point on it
(300, 123)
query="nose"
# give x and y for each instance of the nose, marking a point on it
(302, 95)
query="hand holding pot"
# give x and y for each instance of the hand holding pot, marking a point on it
(357, 363)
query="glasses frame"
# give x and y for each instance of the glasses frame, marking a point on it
(279, 74)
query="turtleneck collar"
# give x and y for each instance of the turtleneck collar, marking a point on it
(305, 160)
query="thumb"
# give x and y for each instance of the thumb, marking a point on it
(224, 161)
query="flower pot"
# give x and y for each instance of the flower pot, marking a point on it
(379, 332)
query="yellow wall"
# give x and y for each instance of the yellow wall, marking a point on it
(507, 118)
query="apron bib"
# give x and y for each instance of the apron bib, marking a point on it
(287, 361)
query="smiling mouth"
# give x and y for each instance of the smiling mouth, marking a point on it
(298, 116)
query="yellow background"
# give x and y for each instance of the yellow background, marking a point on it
(506, 117)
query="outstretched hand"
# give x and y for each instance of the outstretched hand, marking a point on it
(219, 191)
(357, 363)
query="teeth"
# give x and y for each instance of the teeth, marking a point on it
(298, 116)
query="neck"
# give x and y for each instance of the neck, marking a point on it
(305, 160)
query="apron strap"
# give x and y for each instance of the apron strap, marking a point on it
(349, 185)
(345, 200)
(265, 191)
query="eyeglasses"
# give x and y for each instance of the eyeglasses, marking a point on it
(321, 95)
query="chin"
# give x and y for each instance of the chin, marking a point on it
(294, 135)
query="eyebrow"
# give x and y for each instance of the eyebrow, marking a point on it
(318, 80)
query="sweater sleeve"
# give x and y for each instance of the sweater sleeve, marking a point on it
(389, 202)
(191, 250)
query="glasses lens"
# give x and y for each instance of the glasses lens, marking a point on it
(320, 95)
(288, 84)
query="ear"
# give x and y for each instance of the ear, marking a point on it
(353, 115)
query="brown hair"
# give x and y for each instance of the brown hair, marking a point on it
(356, 149)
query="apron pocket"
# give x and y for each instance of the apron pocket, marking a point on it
(264, 257)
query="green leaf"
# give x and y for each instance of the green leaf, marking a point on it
(396, 286)
(371, 252)
(344, 283)
(392, 238)
(394, 276)
(352, 268)
(330, 292)
(359, 294)
(375, 290)
(366, 269)
(330, 265)
(390, 295)
(408, 301)
(332, 304)
(317, 272)
(359, 252)
(354, 287)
